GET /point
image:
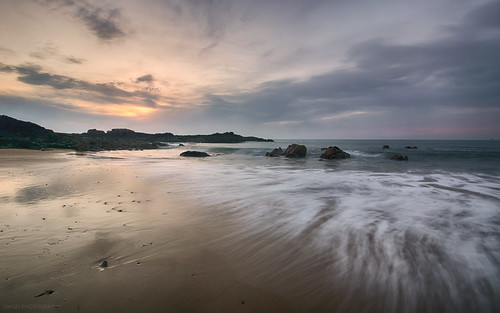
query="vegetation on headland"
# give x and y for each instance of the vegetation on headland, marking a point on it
(26, 135)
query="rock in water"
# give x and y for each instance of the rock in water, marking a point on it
(296, 151)
(399, 157)
(104, 264)
(275, 153)
(411, 147)
(334, 153)
(195, 154)
(386, 147)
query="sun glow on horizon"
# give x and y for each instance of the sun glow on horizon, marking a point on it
(128, 110)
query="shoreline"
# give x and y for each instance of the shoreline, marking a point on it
(241, 235)
(64, 215)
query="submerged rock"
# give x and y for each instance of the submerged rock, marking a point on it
(195, 154)
(399, 157)
(296, 151)
(275, 153)
(411, 147)
(334, 153)
(386, 147)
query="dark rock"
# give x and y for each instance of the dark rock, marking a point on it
(275, 153)
(95, 132)
(334, 153)
(195, 154)
(386, 147)
(296, 151)
(104, 264)
(411, 147)
(121, 132)
(399, 157)
(181, 145)
(46, 292)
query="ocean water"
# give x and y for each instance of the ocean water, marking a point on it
(365, 234)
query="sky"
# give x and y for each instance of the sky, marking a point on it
(427, 69)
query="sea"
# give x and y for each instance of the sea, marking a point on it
(363, 234)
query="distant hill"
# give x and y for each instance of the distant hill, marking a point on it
(10, 125)
(26, 135)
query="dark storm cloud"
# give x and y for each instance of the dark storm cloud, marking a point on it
(6, 68)
(487, 15)
(32, 74)
(145, 78)
(458, 71)
(40, 107)
(105, 23)
(52, 114)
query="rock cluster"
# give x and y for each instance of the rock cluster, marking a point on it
(292, 151)
(300, 151)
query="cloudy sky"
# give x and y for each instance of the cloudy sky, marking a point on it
(271, 68)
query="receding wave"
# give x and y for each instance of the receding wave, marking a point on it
(402, 242)
(366, 234)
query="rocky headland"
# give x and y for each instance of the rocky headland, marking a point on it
(26, 135)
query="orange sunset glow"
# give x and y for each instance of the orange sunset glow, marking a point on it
(264, 68)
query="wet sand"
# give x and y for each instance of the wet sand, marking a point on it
(202, 235)
(63, 214)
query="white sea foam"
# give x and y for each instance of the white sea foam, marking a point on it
(387, 230)
(418, 240)
(357, 154)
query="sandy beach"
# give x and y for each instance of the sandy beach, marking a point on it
(150, 231)
(63, 214)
